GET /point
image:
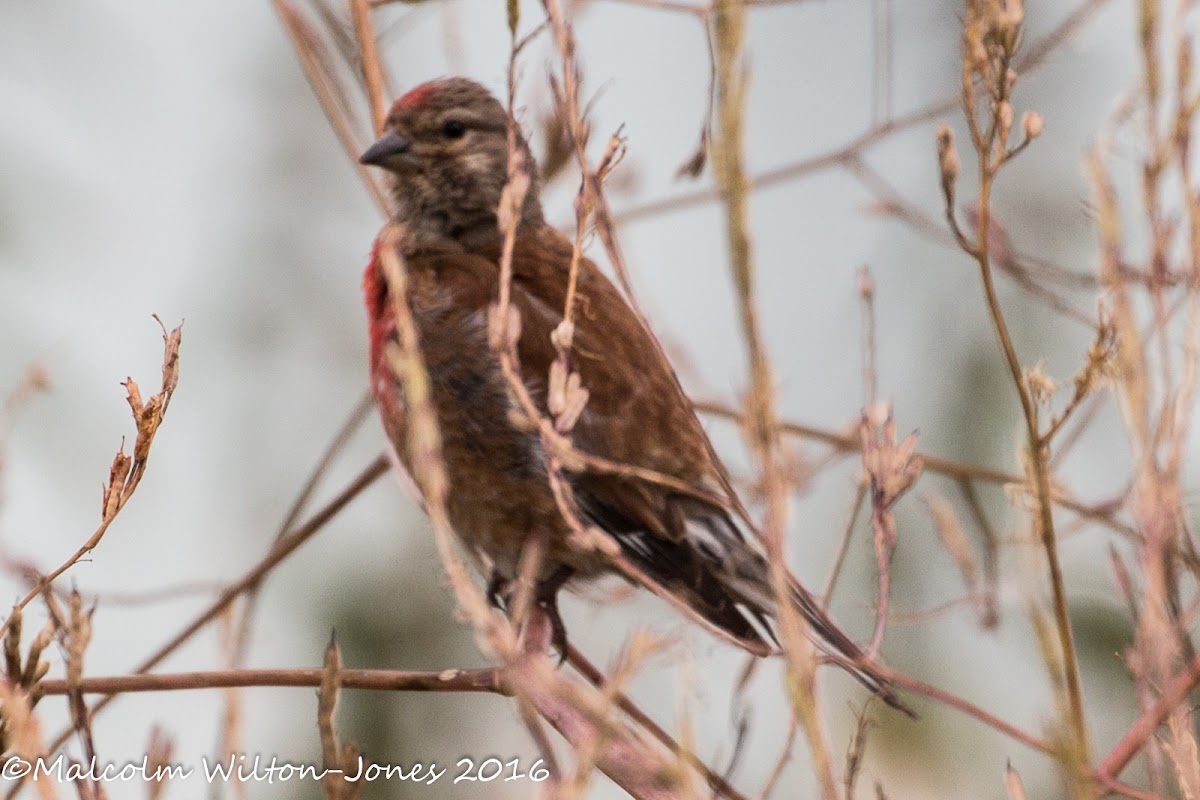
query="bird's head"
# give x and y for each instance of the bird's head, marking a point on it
(445, 145)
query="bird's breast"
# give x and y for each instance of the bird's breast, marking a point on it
(499, 489)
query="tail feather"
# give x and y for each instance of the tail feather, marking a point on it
(726, 581)
(852, 658)
(750, 582)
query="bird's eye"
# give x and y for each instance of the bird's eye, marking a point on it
(453, 129)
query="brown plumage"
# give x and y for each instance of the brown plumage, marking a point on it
(446, 149)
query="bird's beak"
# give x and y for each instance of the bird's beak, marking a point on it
(389, 145)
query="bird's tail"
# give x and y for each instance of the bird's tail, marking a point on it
(848, 654)
(727, 582)
(750, 584)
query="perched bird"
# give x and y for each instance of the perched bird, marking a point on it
(446, 149)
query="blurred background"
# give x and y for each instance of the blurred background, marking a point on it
(170, 158)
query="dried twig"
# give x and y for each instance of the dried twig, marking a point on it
(127, 470)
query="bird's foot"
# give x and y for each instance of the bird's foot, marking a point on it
(547, 599)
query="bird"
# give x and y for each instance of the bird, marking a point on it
(445, 151)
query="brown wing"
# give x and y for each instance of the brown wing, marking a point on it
(636, 414)
(681, 544)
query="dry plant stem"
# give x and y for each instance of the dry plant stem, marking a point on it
(362, 409)
(634, 767)
(591, 192)
(495, 636)
(883, 558)
(991, 555)
(1103, 514)
(728, 28)
(385, 680)
(577, 130)
(1143, 729)
(76, 636)
(866, 290)
(519, 613)
(229, 739)
(22, 731)
(588, 724)
(968, 708)
(794, 171)
(855, 751)
(327, 702)
(371, 70)
(1038, 463)
(249, 606)
(1158, 412)
(592, 199)
(283, 548)
(425, 450)
(502, 328)
(839, 560)
(933, 612)
(1124, 790)
(884, 543)
(992, 70)
(627, 662)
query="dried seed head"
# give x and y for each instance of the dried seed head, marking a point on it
(575, 399)
(1041, 385)
(1032, 124)
(563, 335)
(512, 200)
(947, 159)
(1015, 13)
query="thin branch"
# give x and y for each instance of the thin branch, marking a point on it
(369, 61)
(989, 41)
(970, 709)
(839, 560)
(1175, 693)
(384, 680)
